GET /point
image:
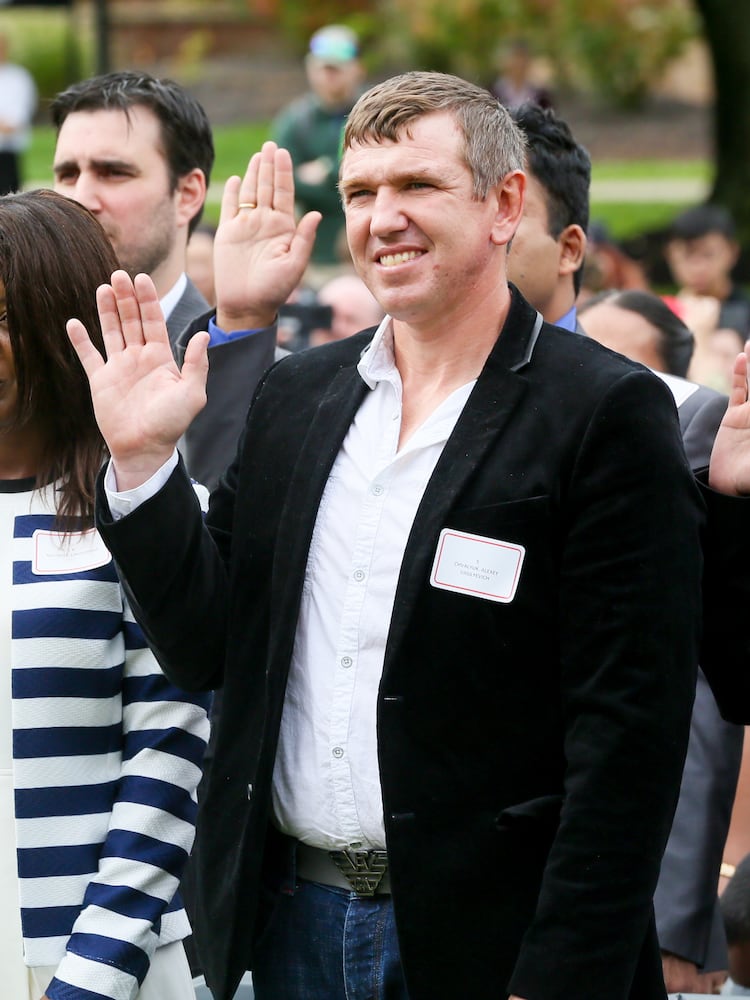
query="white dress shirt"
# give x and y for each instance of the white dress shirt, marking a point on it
(173, 296)
(326, 781)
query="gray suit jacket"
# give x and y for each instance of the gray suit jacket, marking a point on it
(190, 304)
(688, 918)
(234, 370)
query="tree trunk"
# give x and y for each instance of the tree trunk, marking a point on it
(727, 31)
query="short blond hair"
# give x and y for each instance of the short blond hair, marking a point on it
(494, 145)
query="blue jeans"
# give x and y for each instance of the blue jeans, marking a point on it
(326, 943)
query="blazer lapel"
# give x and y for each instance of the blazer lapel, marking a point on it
(332, 419)
(189, 306)
(498, 391)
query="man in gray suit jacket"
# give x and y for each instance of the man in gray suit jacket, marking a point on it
(137, 151)
(545, 263)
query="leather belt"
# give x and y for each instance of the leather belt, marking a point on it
(363, 872)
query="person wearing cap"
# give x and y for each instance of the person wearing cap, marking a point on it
(310, 128)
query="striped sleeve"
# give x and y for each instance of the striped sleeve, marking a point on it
(149, 836)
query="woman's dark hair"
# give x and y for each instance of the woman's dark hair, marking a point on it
(53, 256)
(675, 343)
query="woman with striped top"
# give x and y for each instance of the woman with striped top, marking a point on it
(99, 755)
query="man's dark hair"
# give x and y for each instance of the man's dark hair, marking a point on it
(701, 220)
(185, 129)
(675, 339)
(735, 904)
(561, 165)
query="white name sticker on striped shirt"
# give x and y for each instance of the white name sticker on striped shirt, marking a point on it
(477, 566)
(56, 552)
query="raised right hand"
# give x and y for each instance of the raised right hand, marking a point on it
(143, 402)
(260, 253)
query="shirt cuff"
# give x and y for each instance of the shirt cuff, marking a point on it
(123, 503)
(218, 336)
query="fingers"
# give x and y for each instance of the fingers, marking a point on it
(229, 199)
(109, 320)
(302, 243)
(138, 309)
(248, 190)
(195, 365)
(154, 327)
(738, 390)
(283, 199)
(129, 312)
(265, 190)
(88, 355)
(268, 183)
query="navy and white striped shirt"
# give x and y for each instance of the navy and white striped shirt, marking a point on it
(106, 760)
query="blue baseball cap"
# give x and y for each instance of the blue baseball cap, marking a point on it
(334, 44)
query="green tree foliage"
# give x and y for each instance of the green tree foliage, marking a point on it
(617, 48)
(624, 46)
(47, 43)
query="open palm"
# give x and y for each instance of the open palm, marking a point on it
(261, 252)
(143, 402)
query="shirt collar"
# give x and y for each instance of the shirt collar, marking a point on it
(173, 296)
(378, 361)
(568, 321)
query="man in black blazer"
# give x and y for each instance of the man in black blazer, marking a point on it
(451, 586)
(546, 263)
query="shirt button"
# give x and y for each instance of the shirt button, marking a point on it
(346, 661)
(378, 490)
(359, 575)
(337, 752)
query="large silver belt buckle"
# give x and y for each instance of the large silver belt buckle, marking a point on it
(363, 870)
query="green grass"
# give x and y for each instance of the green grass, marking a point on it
(639, 170)
(624, 219)
(235, 144)
(628, 218)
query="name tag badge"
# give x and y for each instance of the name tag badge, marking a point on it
(476, 565)
(55, 552)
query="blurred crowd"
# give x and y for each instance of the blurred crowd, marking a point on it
(138, 153)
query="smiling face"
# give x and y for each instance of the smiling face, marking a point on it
(420, 240)
(114, 164)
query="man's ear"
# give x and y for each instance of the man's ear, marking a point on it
(735, 249)
(572, 243)
(191, 194)
(510, 194)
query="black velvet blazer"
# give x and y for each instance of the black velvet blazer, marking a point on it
(530, 752)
